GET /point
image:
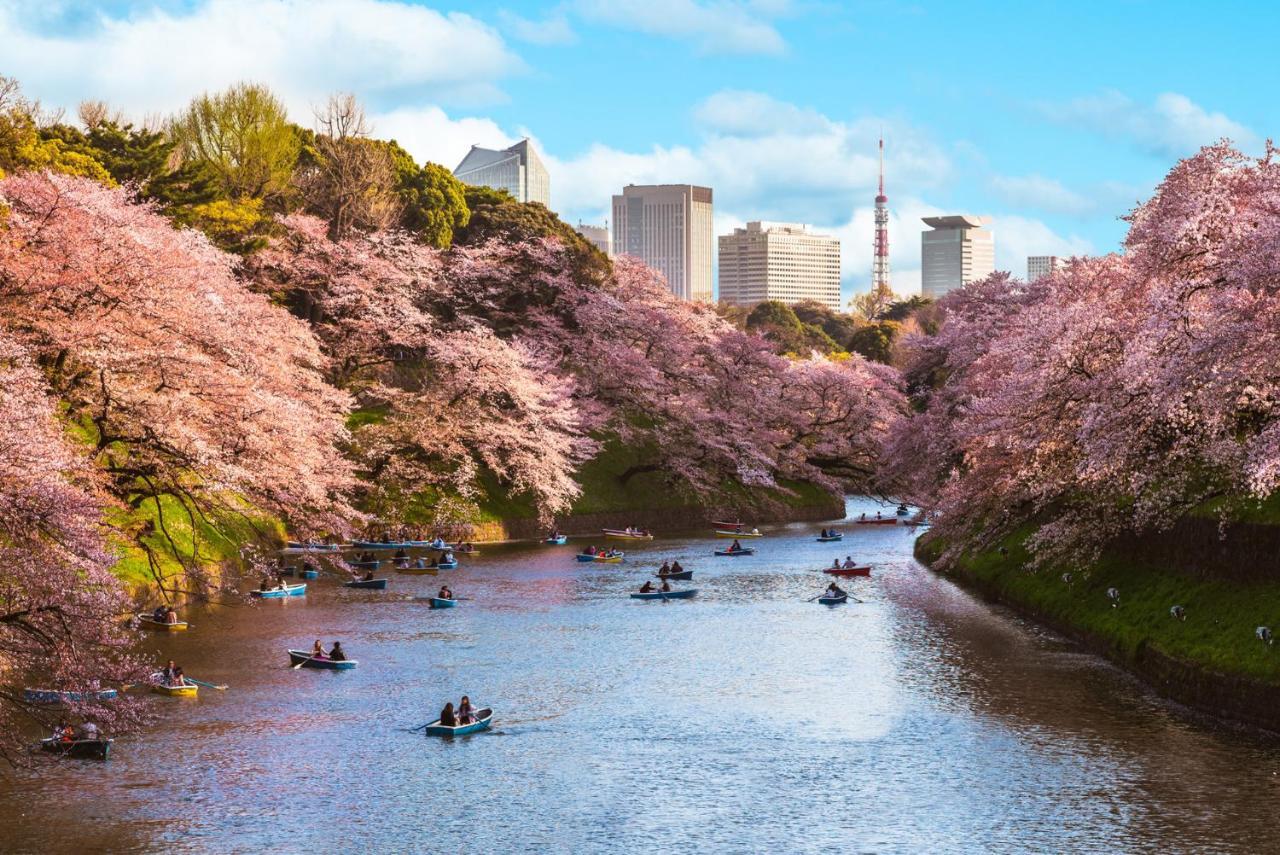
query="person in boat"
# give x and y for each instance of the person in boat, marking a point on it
(88, 730)
(676, 568)
(158, 614)
(665, 568)
(835, 563)
(168, 673)
(420, 564)
(337, 654)
(317, 650)
(834, 590)
(179, 677)
(64, 732)
(466, 712)
(401, 555)
(864, 516)
(445, 593)
(824, 533)
(447, 718)
(368, 575)
(646, 588)
(264, 585)
(666, 585)
(849, 563)
(447, 557)
(736, 546)
(170, 616)
(877, 515)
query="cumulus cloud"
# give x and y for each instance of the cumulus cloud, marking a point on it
(1046, 194)
(715, 26)
(1171, 126)
(554, 29)
(153, 60)
(1018, 237)
(429, 134)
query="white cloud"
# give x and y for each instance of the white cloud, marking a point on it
(1018, 237)
(155, 60)
(1171, 126)
(429, 134)
(716, 26)
(1046, 194)
(551, 30)
(753, 114)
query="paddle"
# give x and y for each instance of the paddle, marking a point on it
(206, 685)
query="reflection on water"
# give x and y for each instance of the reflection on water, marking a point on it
(746, 720)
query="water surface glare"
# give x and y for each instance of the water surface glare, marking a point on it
(744, 720)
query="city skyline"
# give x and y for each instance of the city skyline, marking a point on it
(737, 96)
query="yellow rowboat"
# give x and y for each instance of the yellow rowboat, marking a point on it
(739, 534)
(623, 534)
(187, 690)
(609, 559)
(418, 571)
(148, 622)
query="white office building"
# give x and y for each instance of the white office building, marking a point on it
(779, 261)
(598, 236)
(954, 252)
(668, 227)
(1039, 266)
(517, 169)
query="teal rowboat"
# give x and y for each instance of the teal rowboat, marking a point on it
(438, 603)
(484, 718)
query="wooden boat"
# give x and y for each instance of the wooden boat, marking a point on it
(746, 550)
(86, 749)
(484, 717)
(558, 540)
(586, 556)
(418, 571)
(306, 660)
(146, 621)
(371, 584)
(728, 526)
(623, 534)
(299, 590)
(878, 521)
(851, 571)
(833, 601)
(682, 574)
(831, 538)
(53, 697)
(186, 690)
(610, 559)
(665, 595)
(295, 548)
(438, 603)
(737, 534)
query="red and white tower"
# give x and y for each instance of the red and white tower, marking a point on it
(880, 262)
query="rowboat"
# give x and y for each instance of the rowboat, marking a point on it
(366, 565)
(728, 526)
(903, 510)
(438, 603)
(831, 538)
(306, 660)
(87, 749)
(447, 565)
(683, 574)
(398, 544)
(623, 534)
(665, 595)
(372, 584)
(586, 556)
(746, 550)
(146, 621)
(309, 574)
(879, 521)
(186, 690)
(418, 571)
(849, 571)
(737, 534)
(610, 559)
(295, 548)
(558, 540)
(833, 601)
(299, 590)
(484, 718)
(53, 697)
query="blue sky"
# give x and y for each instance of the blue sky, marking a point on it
(1054, 119)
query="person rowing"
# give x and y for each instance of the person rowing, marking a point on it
(337, 654)
(665, 568)
(737, 547)
(676, 568)
(368, 575)
(445, 593)
(835, 563)
(824, 533)
(849, 563)
(317, 650)
(666, 585)
(646, 588)
(447, 717)
(466, 715)
(590, 550)
(834, 590)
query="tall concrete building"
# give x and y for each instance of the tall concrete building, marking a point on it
(955, 252)
(668, 227)
(599, 236)
(1042, 265)
(779, 261)
(517, 169)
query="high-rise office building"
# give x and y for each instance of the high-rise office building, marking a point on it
(1042, 265)
(955, 252)
(668, 227)
(517, 169)
(599, 236)
(779, 261)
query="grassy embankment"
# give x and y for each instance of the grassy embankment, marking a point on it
(1223, 605)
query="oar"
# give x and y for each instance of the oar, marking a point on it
(206, 685)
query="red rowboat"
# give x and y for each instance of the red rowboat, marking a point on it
(729, 526)
(880, 521)
(852, 571)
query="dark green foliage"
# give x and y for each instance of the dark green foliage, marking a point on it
(434, 204)
(875, 340)
(778, 322)
(495, 215)
(839, 325)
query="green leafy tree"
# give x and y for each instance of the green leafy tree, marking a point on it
(434, 203)
(872, 305)
(838, 325)
(23, 147)
(778, 322)
(875, 340)
(496, 215)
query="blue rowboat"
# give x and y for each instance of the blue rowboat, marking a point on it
(366, 565)
(585, 556)
(51, 697)
(833, 601)
(831, 537)
(372, 584)
(438, 603)
(666, 595)
(447, 565)
(683, 574)
(309, 574)
(306, 660)
(87, 749)
(746, 550)
(559, 540)
(277, 593)
(398, 544)
(484, 718)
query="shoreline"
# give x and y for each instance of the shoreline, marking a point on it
(1233, 700)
